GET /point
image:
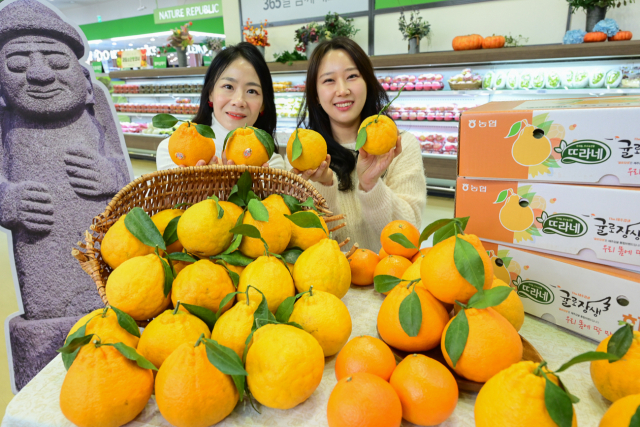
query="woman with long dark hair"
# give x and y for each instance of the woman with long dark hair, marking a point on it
(237, 91)
(342, 90)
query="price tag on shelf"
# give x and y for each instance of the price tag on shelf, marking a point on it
(207, 60)
(275, 11)
(97, 67)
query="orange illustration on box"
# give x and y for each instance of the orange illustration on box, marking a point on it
(536, 144)
(519, 212)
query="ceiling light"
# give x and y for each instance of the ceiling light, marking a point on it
(153, 39)
(114, 43)
(130, 44)
(95, 41)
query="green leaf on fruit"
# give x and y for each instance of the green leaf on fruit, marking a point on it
(236, 258)
(246, 230)
(181, 256)
(306, 219)
(266, 140)
(170, 234)
(468, 263)
(218, 207)
(450, 230)
(296, 148)
(620, 341)
(203, 313)
(131, 354)
(455, 340)
(205, 131)
(126, 322)
(402, 240)
(226, 138)
(589, 356)
(635, 419)
(489, 298)
(75, 343)
(433, 227)
(558, 404)
(164, 121)
(257, 210)
(227, 362)
(292, 203)
(140, 225)
(411, 314)
(384, 283)
(291, 255)
(226, 300)
(361, 138)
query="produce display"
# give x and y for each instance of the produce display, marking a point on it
(288, 107)
(158, 88)
(177, 108)
(438, 143)
(427, 81)
(467, 80)
(415, 111)
(287, 86)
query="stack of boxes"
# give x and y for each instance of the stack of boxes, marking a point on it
(553, 190)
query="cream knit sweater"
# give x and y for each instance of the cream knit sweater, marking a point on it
(400, 194)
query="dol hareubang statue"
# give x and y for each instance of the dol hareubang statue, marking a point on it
(61, 161)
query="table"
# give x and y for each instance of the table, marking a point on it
(38, 402)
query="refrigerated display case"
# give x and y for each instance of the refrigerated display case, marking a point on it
(428, 106)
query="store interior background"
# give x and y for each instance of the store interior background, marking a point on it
(542, 21)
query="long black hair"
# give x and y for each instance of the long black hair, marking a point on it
(268, 119)
(343, 160)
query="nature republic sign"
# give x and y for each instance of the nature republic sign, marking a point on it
(188, 12)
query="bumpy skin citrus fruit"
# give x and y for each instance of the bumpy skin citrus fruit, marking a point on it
(304, 238)
(119, 245)
(244, 148)
(202, 233)
(434, 319)
(365, 354)
(234, 326)
(324, 267)
(325, 317)
(167, 332)
(314, 149)
(426, 388)
(392, 265)
(106, 326)
(406, 229)
(103, 388)
(161, 220)
(441, 277)
(621, 412)
(285, 366)
(202, 283)
(618, 379)
(276, 232)
(231, 209)
(137, 287)
(511, 308)
(364, 399)
(514, 397)
(191, 392)
(493, 344)
(381, 136)
(271, 277)
(187, 146)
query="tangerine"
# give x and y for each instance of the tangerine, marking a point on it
(187, 146)
(365, 354)
(382, 135)
(392, 265)
(363, 264)
(405, 228)
(314, 149)
(244, 148)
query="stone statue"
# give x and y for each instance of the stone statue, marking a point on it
(61, 161)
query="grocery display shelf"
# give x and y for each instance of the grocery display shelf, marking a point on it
(155, 95)
(440, 156)
(177, 116)
(519, 92)
(531, 54)
(426, 123)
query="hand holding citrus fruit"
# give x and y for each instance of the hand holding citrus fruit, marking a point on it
(306, 149)
(249, 146)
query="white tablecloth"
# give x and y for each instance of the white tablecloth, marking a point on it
(38, 403)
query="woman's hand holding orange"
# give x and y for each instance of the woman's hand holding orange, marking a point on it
(323, 174)
(369, 167)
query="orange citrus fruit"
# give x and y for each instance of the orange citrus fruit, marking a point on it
(621, 412)
(244, 148)
(119, 245)
(618, 379)
(434, 319)
(381, 136)
(365, 354)
(493, 344)
(427, 390)
(204, 284)
(392, 265)
(441, 277)
(363, 264)
(405, 228)
(314, 149)
(515, 397)
(382, 254)
(161, 220)
(187, 146)
(364, 399)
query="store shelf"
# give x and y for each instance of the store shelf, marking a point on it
(439, 156)
(537, 54)
(177, 116)
(156, 95)
(519, 92)
(426, 123)
(143, 144)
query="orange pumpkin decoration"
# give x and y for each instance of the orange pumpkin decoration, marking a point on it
(493, 42)
(473, 41)
(595, 36)
(621, 36)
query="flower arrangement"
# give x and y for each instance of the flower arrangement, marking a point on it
(590, 4)
(608, 26)
(515, 41)
(305, 35)
(180, 37)
(574, 37)
(416, 28)
(214, 44)
(256, 36)
(336, 26)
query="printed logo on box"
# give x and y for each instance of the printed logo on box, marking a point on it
(563, 224)
(533, 290)
(587, 152)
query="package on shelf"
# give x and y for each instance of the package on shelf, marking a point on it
(288, 107)
(125, 88)
(467, 80)
(429, 81)
(157, 108)
(581, 140)
(586, 298)
(421, 112)
(133, 127)
(630, 77)
(593, 223)
(159, 88)
(438, 143)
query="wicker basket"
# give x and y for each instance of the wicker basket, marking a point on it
(161, 190)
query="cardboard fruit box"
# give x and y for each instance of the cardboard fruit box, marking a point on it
(592, 223)
(584, 297)
(589, 141)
